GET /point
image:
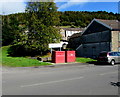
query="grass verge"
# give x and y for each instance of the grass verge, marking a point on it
(19, 61)
(84, 60)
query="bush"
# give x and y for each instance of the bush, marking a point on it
(20, 50)
(16, 50)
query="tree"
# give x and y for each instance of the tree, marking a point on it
(9, 29)
(42, 20)
(0, 30)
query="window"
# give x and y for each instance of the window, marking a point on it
(118, 53)
(111, 54)
(115, 54)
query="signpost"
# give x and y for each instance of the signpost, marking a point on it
(57, 45)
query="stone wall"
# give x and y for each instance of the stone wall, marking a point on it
(115, 39)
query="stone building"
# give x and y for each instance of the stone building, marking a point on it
(100, 35)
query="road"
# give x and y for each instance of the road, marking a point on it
(60, 80)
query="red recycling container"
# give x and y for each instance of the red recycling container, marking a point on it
(58, 57)
(70, 56)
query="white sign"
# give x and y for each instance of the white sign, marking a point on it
(57, 45)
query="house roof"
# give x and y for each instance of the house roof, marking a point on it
(98, 25)
(75, 35)
(114, 24)
(73, 29)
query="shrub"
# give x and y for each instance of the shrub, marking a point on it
(20, 50)
(16, 50)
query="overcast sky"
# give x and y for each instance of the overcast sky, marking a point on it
(15, 6)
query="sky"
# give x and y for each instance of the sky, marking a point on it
(14, 6)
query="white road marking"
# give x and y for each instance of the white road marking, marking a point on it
(108, 73)
(51, 82)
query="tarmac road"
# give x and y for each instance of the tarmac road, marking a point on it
(69, 79)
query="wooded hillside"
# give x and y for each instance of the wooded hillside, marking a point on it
(14, 25)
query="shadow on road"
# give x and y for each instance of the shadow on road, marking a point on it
(115, 84)
(98, 63)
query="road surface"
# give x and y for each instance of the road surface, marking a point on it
(60, 80)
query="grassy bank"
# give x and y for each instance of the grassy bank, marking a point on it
(84, 60)
(19, 61)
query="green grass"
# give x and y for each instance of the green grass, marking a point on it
(19, 61)
(84, 60)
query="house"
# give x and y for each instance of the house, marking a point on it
(67, 32)
(100, 35)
